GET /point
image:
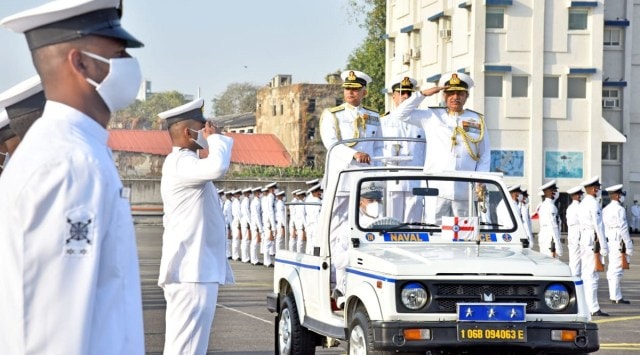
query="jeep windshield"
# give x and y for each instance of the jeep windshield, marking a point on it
(393, 207)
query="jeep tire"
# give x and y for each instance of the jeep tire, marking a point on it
(292, 338)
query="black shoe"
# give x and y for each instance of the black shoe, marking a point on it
(258, 264)
(270, 265)
(228, 257)
(600, 313)
(621, 301)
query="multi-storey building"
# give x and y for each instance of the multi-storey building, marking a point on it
(554, 79)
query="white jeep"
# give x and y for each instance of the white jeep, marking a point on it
(438, 283)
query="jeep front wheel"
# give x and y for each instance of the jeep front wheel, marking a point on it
(293, 339)
(361, 334)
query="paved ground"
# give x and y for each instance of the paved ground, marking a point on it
(244, 326)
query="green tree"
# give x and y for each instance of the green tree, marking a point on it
(369, 57)
(144, 114)
(236, 99)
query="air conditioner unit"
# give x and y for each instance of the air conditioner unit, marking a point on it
(446, 34)
(610, 103)
(415, 54)
(406, 58)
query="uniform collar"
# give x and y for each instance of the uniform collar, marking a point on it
(351, 107)
(68, 115)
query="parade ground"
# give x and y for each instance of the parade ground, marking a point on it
(244, 326)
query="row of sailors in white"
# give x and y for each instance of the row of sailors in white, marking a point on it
(588, 225)
(254, 224)
(303, 214)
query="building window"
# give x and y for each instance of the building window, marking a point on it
(576, 88)
(493, 85)
(495, 17)
(550, 87)
(273, 110)
(312, 105)
(610, 98)
(519, 86)
(311, 161)
(611, 152)
(392, 47)
(578, 19)
(281, 109)
(311, 134)
(612, 37)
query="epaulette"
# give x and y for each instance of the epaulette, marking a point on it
(336, 109)
(370, 109)
(477, 113)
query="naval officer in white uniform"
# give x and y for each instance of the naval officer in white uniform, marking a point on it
(400, 202)
(614, 218)
(457, 138)
(70, 278)
(194, 262)
(349, 120)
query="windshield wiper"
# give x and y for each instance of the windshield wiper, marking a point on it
(490, 224)
(421, 224)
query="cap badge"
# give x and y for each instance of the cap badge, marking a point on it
(454, 80)
(352, 76)
(406, 81)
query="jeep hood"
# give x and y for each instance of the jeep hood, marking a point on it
(438, 259)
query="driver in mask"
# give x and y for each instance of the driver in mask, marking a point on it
(549, 236)
(370, 209)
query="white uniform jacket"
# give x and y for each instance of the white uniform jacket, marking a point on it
(614, 218)
(549, 227)
(245, 212)
(573, 220)
(193, 243)
(70, 278)
(591, 223)
(343, 122)
(235, 213)
(439, 127)
(256, 214)
(279, 213)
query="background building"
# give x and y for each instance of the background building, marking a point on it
(291, 112)
(554, 79)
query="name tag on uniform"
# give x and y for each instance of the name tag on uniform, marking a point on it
(125, 192)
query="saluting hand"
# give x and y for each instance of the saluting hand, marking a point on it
(431, 91)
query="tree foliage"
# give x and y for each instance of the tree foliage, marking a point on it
(369, 57)
(236, 99)
(144, 114)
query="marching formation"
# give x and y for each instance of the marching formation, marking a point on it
(255, 219)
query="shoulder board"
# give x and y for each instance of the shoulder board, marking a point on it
(336, 109)
(370, 109)
(477, 113)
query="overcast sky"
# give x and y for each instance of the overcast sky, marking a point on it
(208, 44)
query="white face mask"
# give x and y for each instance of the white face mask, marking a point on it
(520, 198)
(556, 194)
(6, 159)
(120, 87)
(621, 199)
(200, 140)
(372, 209)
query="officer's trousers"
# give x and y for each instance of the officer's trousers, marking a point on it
(191, 308)
(614, 270)
(575, 253)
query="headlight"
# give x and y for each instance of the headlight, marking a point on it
(556, 296)
(413, 296)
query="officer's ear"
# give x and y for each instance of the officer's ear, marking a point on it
(364, 92)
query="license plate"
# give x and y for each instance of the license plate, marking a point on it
(492, 332)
